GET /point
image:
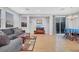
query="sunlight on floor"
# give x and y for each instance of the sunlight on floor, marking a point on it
(55, 43)
(45, 43)
(65, 45)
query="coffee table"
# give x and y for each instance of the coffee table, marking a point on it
(29, 44)
(25, 36)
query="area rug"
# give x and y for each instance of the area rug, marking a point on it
(29, 44)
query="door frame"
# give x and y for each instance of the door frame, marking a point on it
(54, 26)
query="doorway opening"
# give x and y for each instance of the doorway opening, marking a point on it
(60, 24)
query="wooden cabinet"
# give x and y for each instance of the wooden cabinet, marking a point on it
(39, 31)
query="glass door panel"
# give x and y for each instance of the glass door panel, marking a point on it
(60, 24)
(57, 27)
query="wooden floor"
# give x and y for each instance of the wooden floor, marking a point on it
(71, 46)
(45, 43)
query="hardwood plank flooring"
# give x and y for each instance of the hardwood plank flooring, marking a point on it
(71, 46)
(45, 43)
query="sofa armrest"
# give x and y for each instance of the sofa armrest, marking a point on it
(14, 46)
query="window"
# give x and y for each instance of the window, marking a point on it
(9, 20)
(0, 18)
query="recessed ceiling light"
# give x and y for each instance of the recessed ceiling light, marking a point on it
(62, 8)
(27, 9)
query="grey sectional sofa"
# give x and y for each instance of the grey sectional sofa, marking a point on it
(15, 43)
(14, 46)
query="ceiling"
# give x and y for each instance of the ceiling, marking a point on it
(46, 10)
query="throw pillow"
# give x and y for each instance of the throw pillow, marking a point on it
(4, 39)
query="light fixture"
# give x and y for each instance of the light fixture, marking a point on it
(62, 9)
(72, 17)
(27, 9)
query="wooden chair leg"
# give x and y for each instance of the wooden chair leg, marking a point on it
(72, 38)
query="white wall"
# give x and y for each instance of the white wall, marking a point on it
(46, 24)
(51, 25)
(32, 25)
(3, 18)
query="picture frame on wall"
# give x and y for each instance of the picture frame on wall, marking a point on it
(23, 21)
(23, 24)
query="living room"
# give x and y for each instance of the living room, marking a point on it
(37, 28)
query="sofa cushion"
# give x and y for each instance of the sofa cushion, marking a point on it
(12, 31)
(13, 36)
(8, 31)
(18, 31)
(4, 39)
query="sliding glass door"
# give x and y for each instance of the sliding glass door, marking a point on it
(62, 21)
(60, 24)
(57, 25)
